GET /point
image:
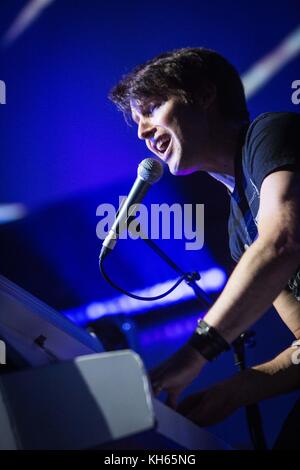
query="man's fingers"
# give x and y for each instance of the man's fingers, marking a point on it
(157, 388)
(184, 407)
(156, 382)
(172, 399)
(156, 376)
(187, 405)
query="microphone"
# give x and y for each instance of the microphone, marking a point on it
(149, 172)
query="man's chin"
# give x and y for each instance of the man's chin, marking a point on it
(174, 166)
(173, 170)
(179, 166)
(176, 170)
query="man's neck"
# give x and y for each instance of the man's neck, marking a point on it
(228, 142)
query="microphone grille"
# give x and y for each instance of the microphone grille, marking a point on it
(150, 170)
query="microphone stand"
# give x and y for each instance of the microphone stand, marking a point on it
(190, 278)
(253, 415)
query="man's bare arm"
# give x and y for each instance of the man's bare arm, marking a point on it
(281, 374)
(266, 266)
(273, 378)
(288, 308)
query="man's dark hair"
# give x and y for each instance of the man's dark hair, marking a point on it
(184, 72)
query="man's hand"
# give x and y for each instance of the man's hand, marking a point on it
(211, 405)
(176, 373)
(273, 378)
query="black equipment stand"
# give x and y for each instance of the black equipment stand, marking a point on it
(253, 415)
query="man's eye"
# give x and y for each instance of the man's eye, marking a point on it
(151, 108)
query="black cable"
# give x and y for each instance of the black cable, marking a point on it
(123, 291)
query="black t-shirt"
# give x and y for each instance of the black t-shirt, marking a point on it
(272, 142)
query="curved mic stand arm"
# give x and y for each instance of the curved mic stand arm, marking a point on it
(190, 278)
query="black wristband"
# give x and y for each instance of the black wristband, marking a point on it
(207, 341)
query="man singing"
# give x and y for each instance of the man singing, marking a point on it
(190, 108)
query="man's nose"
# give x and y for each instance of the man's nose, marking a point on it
(145, 129)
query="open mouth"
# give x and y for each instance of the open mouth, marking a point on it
(162, 143)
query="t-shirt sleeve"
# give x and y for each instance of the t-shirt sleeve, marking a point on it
(273, 143)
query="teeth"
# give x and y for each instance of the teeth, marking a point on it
(162, 144)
